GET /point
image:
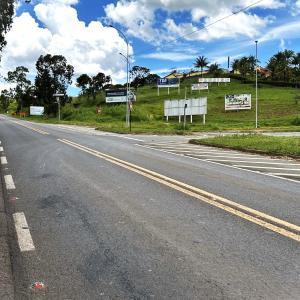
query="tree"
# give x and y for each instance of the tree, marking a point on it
(97, 83)
(54, 75)
(215, 70)
(152, 79)
(139, 75)
(4, 100)
(6, 18)
(22, 84)
(83, 82)
(280, 65)
(201, 62)
(235, 65)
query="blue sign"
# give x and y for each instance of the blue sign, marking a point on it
(168, 82)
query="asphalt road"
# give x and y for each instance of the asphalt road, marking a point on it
(109, 217)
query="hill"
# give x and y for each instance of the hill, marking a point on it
(277, 109)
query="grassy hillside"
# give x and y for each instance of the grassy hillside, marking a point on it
(277, 109)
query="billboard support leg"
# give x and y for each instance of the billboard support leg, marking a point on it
(203, 119)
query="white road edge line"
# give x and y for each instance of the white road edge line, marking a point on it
(9, 182)
(3, 160)
(223, 165)
(24, 237)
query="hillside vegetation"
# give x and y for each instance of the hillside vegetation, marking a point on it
(278, 108)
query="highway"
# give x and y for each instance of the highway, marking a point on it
(96, 215)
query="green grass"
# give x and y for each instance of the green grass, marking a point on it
(278, 146)
(278, 110)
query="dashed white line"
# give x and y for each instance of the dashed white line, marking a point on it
(1, 149)
(9, 182)
(3, 160)
(23, 233)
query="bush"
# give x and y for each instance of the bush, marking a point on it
(296, 121)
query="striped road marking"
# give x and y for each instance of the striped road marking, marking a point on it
(23, 233)
(9, 182)
(1, 149)
(3, 160)
(274, 224)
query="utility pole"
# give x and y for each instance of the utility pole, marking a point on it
(256, 87)
(58, 103)
(127, 82)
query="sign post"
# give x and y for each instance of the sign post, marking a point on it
(58, 102)
(238, 102)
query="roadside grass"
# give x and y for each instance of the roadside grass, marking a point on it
(278, 110)
(257, 143)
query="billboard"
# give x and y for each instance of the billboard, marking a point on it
(212, 80)
(238, 102)
(194, 107)
(199, 86)
(37, 110)
(119, 96)
(167, 83)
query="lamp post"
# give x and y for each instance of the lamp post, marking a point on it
(256, 88)
(127, 82)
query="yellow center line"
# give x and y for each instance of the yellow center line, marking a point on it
(34, 129)
(272, 223)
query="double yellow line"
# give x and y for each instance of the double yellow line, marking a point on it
(279, 226)
(34, 129)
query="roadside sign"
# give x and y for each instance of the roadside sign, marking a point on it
(119, 96)
(217, 80)
(238, 102)
(199, 86)
(168, 83)
(36, 110)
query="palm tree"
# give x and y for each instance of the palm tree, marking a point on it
(201, 62)
(215, 70)
(235, 65)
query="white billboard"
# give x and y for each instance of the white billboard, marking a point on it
(37, 110)
(199, 86)
(212, 80)
(238, 102)
(119, 96)
(193, 107)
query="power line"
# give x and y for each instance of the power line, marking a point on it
(206, 26)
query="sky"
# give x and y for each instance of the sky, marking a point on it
(163, 34)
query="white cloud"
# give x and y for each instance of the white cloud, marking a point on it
(90, 48)
(172, 56)
(138, 16)
(287, 31)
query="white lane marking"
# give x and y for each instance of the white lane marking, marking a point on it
(1, 149)
(3, 160)
(285, 174)
(222, 164)
(126, 137)
(267, 168)
(24, 237)
(9, 182)
(255, 162)
(228, 156)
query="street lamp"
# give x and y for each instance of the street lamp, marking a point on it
(127, 82)
(256, 87)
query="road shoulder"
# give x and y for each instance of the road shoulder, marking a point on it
(6, 278)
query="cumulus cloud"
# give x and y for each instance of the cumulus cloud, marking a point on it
(139, 16)
(90, 48)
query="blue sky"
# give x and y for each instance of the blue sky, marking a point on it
(79, 30)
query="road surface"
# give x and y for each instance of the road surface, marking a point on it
(97, 215)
